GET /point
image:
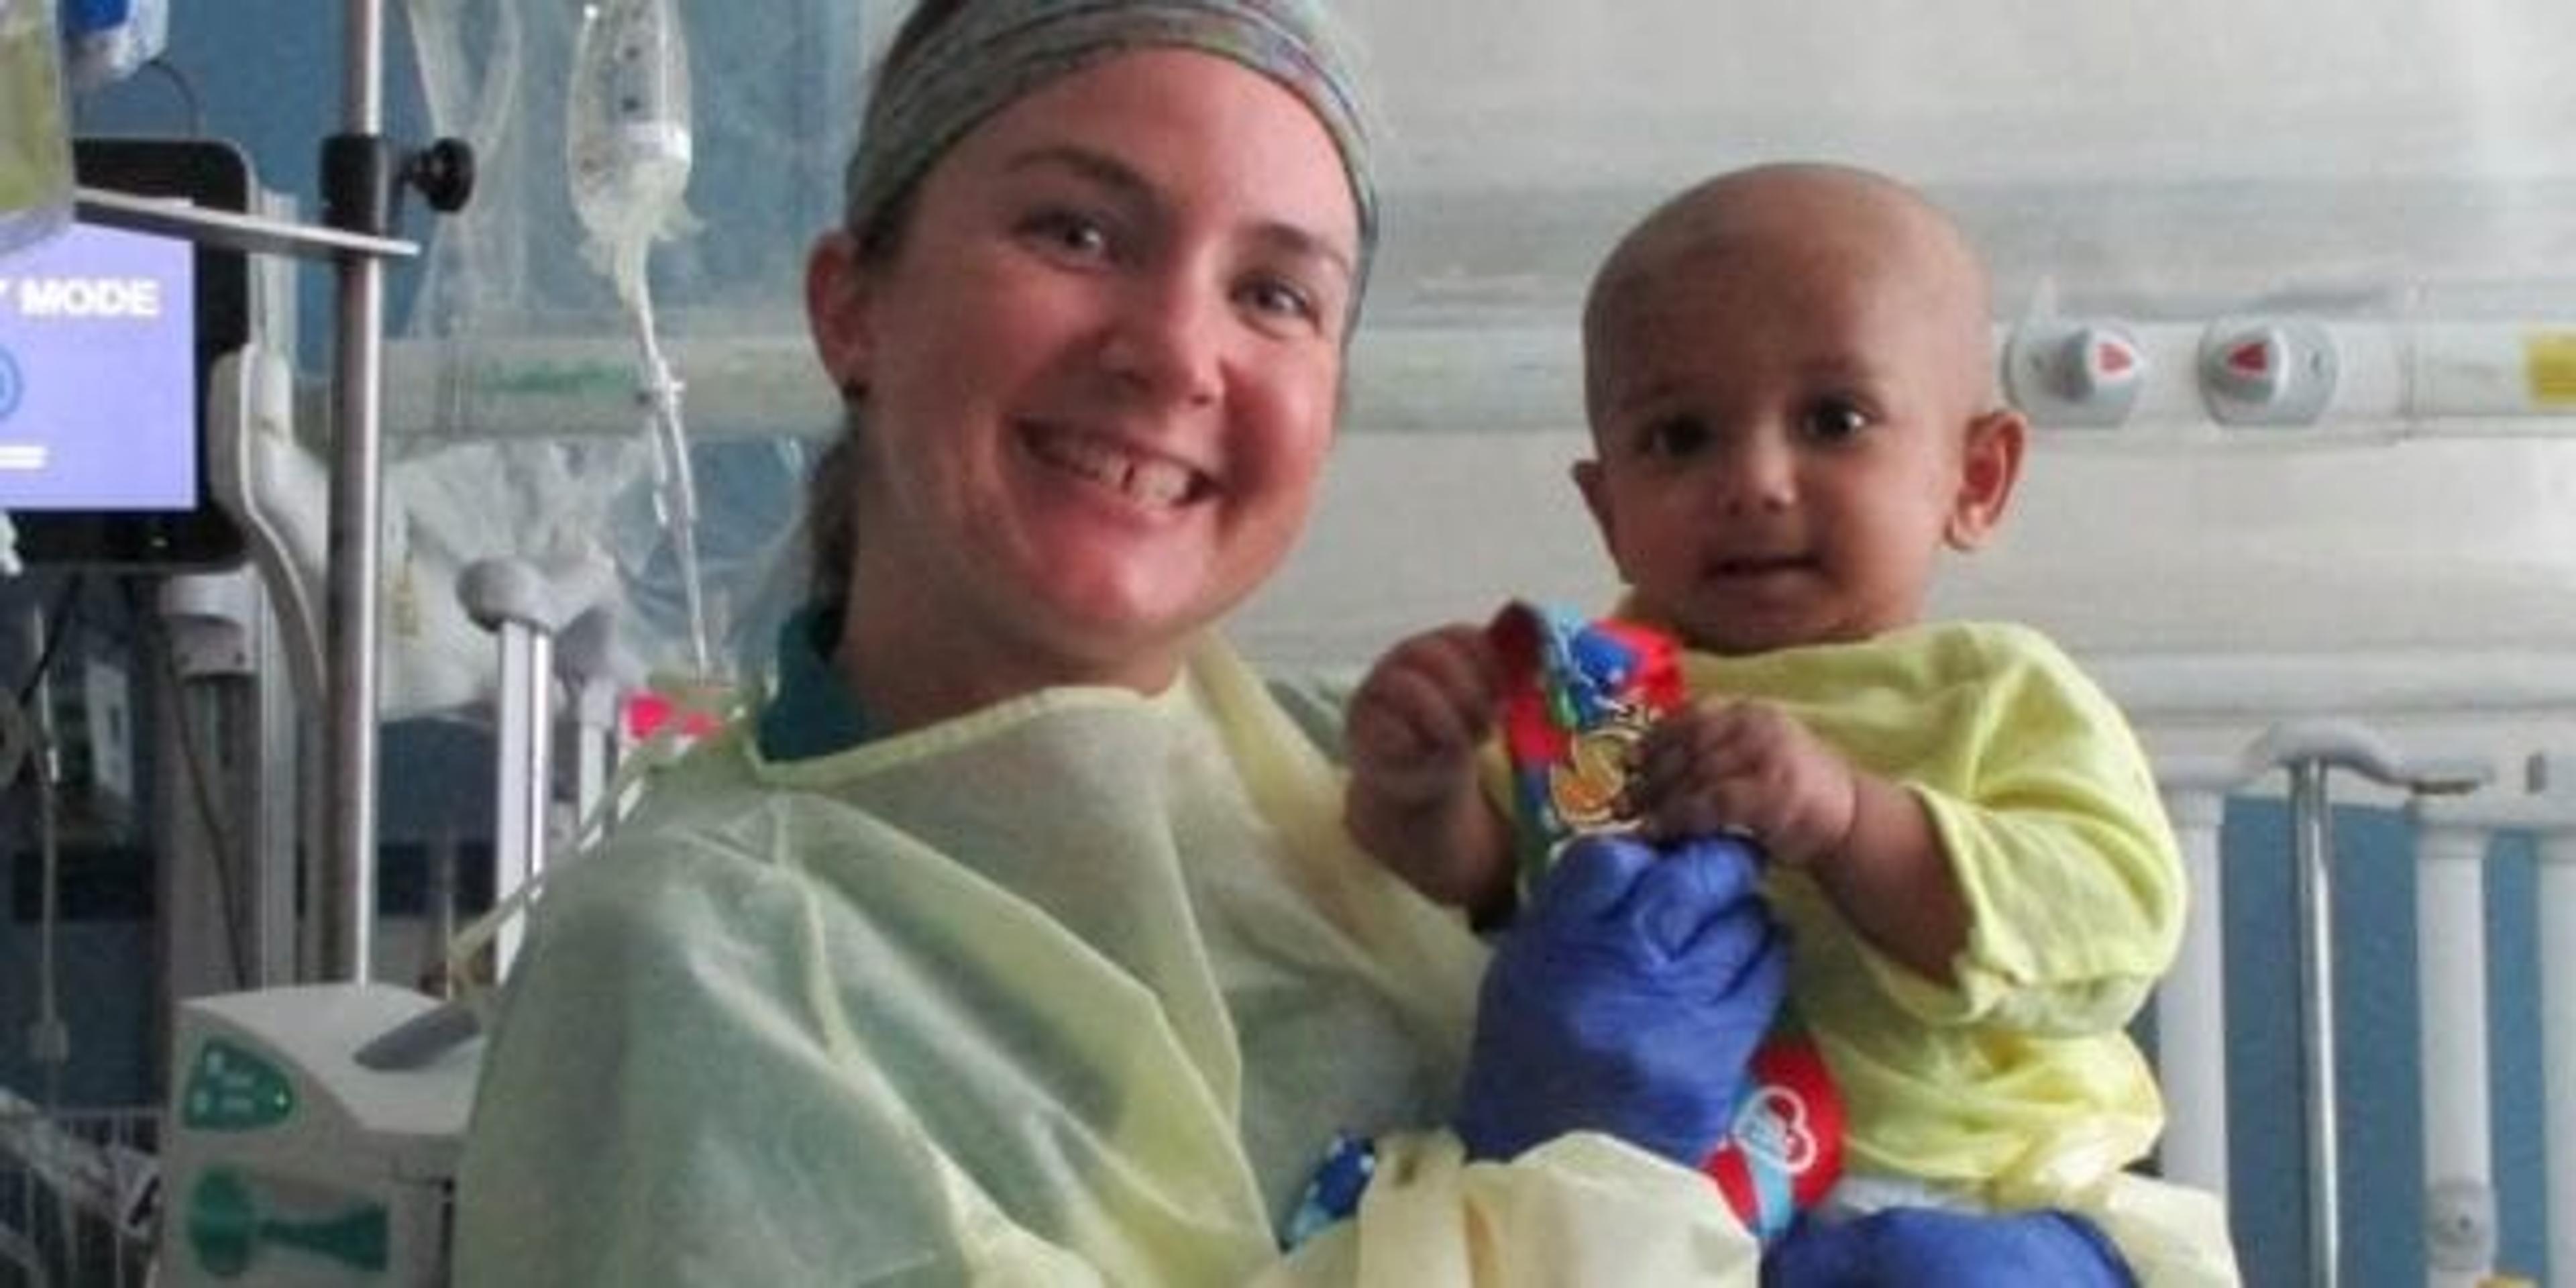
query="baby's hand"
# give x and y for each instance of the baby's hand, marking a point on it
(1745, 767)
(1416, 720)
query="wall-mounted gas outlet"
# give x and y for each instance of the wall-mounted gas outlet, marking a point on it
(2073, 374)
(2267, 371)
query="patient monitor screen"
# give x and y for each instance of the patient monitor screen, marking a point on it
(108, 338)
(98, 374)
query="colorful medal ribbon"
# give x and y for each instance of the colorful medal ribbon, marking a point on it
(1578, 696)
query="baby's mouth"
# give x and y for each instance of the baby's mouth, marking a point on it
(1142, 478)
(1757, 566)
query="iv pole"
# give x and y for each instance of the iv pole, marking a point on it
(362, 175)
(345, 886)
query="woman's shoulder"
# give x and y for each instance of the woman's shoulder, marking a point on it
(700, 836)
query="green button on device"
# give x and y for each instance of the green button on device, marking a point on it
(232, 1089)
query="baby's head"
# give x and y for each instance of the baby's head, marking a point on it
(1790, 377)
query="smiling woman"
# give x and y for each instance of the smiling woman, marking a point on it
(1095, 381)
(1016, 939)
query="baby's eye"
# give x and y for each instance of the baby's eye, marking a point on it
(1836, 419)
(1674, 437)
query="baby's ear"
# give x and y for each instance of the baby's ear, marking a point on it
(1989, 464)
(1596, 498)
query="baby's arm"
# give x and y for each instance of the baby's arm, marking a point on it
(1749, 767)
(1414, 801)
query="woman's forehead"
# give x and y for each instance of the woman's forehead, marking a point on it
(1180, 128)
(985, 57)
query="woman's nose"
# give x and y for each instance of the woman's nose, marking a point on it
(1165, 342)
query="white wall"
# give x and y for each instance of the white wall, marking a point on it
(1545, 94)
(2376, 163)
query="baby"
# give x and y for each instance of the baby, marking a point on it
(1790, 383)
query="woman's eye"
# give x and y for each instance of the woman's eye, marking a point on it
(1836, 419)
(1275, 298)
(1069, 233)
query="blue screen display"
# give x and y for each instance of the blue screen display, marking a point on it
(98, 373)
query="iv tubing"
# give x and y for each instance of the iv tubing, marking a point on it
(675, 490)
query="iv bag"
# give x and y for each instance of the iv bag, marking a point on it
(35, 137)
(626, 132)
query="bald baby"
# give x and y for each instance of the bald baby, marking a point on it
(1790, 381)
(1836, 234)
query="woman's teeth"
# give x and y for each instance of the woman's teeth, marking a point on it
(1155, 482)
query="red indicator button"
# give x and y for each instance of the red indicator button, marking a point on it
(2268, 372)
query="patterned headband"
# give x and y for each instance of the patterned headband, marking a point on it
(991, 54)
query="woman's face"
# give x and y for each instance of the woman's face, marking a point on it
(1099, 369)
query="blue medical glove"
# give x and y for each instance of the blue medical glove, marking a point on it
(1627, 1000)
(1907, 1246)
